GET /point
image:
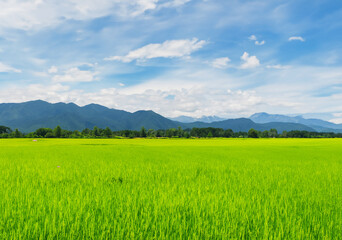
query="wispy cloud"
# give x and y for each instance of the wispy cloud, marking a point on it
(255, 39)
(207, 101)
(76, 75)
(278, 66)
(53, 69)
(174, 3)
(168, 49)
(30, 14)
(337, 119)
(283, 91)
(260, 43)
(296, 38)
(252, 38)
(38, 34)
(221, 62)
(7, 68)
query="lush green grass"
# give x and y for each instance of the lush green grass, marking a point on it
(171, 189)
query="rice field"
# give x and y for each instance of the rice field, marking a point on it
(171, 189)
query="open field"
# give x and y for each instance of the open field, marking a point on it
(171, 189)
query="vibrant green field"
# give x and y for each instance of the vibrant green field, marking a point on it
(171, 189)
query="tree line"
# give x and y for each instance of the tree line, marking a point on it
(58, 132)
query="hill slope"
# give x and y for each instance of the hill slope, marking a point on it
(317, 124)
(244, 124)
(29, 116)
(205, 119)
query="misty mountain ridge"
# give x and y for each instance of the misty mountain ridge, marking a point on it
(317, 124)
(29, 116)
(205, 119)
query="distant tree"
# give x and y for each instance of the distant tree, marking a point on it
(49, 135)
(107, 132)
(159, 133)
(4, 135)
(76, 134)
(265, 134)
(252, 133)
(273, 133)
(143, 132)
(17, 134)
(66, 133)
(186, 134)
(57, 132)
(96, 132)
(86, 132)
(180, 132)
(41, 132)
(240, 134)
(228, 133)
(151, 133)
(125, 133)
(171, 132)
(4, 129)
(299, 134)
(31, 135)
(219, 132)
(131, 135)
(284, 134)
(195, 132)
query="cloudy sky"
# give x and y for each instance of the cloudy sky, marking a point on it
(229, 58)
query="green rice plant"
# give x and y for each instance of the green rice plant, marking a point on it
(171, 189)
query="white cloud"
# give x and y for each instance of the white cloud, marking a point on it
(193, 94)
(336, 120)
(174, 3)
(190, 101)
(7, 68)
(294, 38)
(282, 92)
(168, 49)
(53, 69)
(278, 66)
(249, 61)
(338, 114)
(55, 88)
(255, 39)
(252, 38)
(55, 92)
(76, 75)
(260, 43)
(37, 61)
(40, 74)
(30, 14)
(121, 84)
(221, 62)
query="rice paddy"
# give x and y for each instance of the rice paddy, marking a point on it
(171, 189)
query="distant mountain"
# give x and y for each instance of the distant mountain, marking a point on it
(317, 124)
(29, 116)
(205, 119)
(245, 124)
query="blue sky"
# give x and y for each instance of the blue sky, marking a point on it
(176, 57)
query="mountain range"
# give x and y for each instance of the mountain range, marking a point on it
(29, 116)
(205, 119)
(317, 124)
